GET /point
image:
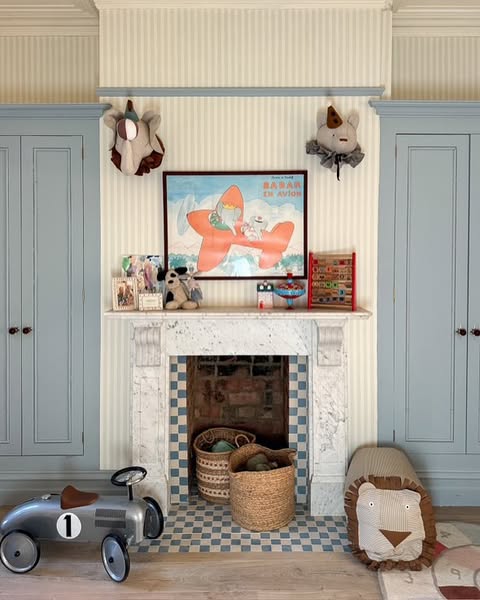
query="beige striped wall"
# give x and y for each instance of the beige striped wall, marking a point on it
(218, 47)
(231, 134)
(48, 69)
(436, 68)
(243, 48)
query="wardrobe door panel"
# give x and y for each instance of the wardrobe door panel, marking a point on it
(10, 313)
(52, 225)
(473, 407)
(431, 282)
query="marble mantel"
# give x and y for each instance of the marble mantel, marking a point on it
(318, 335)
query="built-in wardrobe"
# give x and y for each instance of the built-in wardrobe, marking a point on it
(50, 302)
(429, 292)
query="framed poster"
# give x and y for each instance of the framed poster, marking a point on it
(236, 225)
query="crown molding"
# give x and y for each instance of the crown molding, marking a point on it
(48, 17)
(48, 30)
(54, 111)
(426, 108)
(240, 4)
(437, 21)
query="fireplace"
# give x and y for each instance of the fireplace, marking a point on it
(160, 345)
(265, 395)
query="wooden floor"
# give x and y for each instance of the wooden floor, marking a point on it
(75, 572)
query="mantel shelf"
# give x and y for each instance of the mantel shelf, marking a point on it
(240, 313)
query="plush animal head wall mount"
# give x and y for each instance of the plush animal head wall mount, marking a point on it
(136, 147)
(336, 142)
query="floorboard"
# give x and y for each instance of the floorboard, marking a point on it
(75, 572)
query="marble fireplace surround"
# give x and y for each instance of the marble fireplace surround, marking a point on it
(320, 336)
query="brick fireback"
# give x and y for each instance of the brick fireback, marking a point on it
(246, 392)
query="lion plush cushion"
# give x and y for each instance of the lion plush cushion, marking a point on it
(390, 515)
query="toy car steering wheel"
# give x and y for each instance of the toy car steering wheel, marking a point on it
(128, 476)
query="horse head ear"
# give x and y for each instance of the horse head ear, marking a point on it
(353, 119)
(181, 270)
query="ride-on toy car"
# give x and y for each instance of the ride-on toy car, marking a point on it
(78, 516)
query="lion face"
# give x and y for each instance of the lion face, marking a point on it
(390, 524)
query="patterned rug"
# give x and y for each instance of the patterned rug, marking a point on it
(454, 575)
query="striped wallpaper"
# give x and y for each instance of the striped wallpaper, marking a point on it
(436, 68)
(242, 134)
(48, 69)
(237, 47)
(217, 47)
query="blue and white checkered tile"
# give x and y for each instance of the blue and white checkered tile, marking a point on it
(297, 422)
(178, 431)
(203, 527)
(297, 426)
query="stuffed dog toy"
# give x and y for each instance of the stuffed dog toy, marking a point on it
(176, 292)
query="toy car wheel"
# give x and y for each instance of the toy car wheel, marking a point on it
(115, 558)
(153, 525)
(19, 552)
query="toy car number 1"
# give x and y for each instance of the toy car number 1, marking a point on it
(69, 526)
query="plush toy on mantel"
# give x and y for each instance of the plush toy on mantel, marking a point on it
(136, 147)
(177, 295)
(336, 141)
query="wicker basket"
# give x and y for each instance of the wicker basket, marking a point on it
(262, 500)
(212, 467)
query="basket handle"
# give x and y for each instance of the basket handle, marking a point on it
(238, 441)
(208, 436)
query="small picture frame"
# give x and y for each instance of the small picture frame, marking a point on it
(124, 293)
(148, 301)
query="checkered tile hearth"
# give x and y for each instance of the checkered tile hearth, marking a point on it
(203, 527)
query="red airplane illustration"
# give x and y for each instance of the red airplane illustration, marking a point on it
(224, 227)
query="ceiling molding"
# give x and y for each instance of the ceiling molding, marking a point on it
(241, 4)
(48, 17)
(437, 20)
(48, 30)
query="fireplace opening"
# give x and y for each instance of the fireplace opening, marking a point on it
(244, 392)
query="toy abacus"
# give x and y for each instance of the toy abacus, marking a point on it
(331, 281)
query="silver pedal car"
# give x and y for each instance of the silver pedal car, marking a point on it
(78, 516)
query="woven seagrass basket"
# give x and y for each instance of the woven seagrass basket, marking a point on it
(212, 467)
(262, 500)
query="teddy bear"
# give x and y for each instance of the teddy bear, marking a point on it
(176, 292)
(336, 141)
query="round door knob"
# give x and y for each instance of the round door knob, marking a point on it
(13, 330)
(462, 331)
(475, 332)
(26, 330)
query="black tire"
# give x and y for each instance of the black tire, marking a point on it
(115, 558)
(19, 551)
(153, 525)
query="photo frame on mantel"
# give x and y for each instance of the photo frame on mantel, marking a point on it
(236, 225)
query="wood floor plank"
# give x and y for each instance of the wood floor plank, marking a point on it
(73, 571)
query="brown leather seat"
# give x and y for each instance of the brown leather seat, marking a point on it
(73, 498)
